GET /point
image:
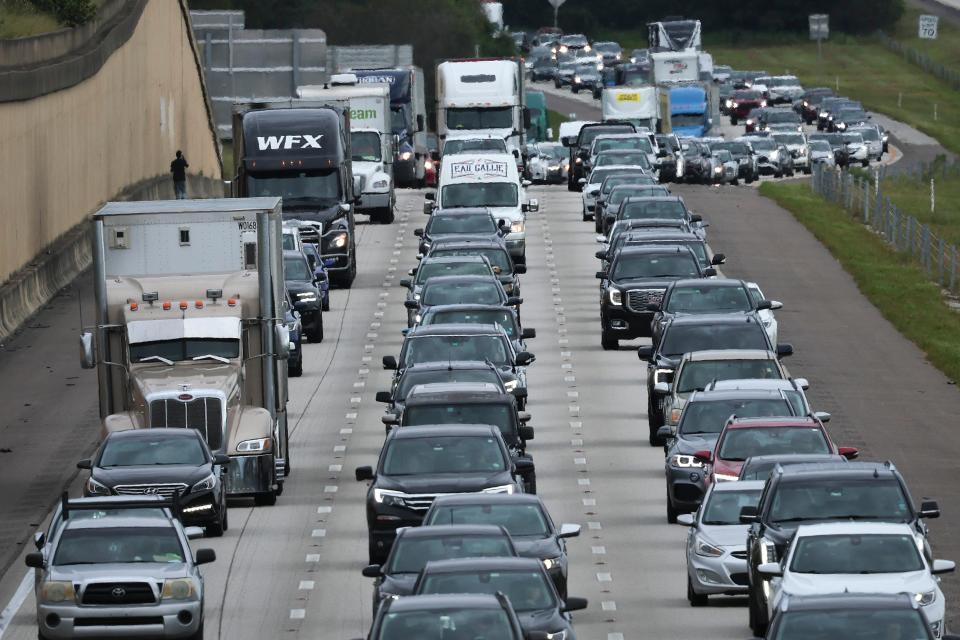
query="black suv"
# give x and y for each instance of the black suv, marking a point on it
(697, 333)
(494, 250)
(304, 288)
(436, 616)
(449, 371)
(811, 493)
(472, 403)
(580, 148)
(448, 223)
(418, 463)
(637, 278)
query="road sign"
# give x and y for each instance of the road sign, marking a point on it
(556, 3)
(819, 26)
(928, 27)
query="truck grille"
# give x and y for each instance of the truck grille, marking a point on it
(638, 299)
(203, 414)
(111, 593)
(165, 490)
(420, 502)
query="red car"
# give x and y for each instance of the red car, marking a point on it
(742, 102)
(742, 438)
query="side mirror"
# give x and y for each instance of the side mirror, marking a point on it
(601, 255)
(520, 269)
(850, 453)
(519, 392)
(533, 205)
(418, 232)
(193, 533)
(665, 432)
(88, 355)
(770, 570)
(384, 397)
(748, 514)
(601, 275)
(427, 208)
(372, 571)
(784, 350)
(528, 334)
(574, 604)
(221, 459)
(600, 239)
(405, 283)
(763, 304)
(411, 304)
(526, 432)
(430, 196)
(776, 304)
(822, 416)
(662, 388)
(523, 466)
(390, 363)
(704, 455)
(357, 186)
(205, 556)
(685, 519)
(85, 464)
(34, 560)
(718, 259)
(282, 340)
(390, 419)
(513, 302)
(524, 358)
(696, 217)
(943, 566)
(709, 272)
(929, 509)
(569, 531)
(549, 133)
(523, 416)
(645, 352)
(525, 183)
(364, 473)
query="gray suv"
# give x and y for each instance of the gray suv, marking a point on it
(118, 566)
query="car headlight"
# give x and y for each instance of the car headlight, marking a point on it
(550, 563)
(633, 60)
(558, 635)
(617, 56)
(763, 103)
(97, 488)
(805, 103)
(307, 296)
(406, 155)
(685, 462)
(56, 591)
(586, 48)
(579, 160)
(841, 125)
(707, 550)
(207, 483)
(576, 79)
(661, 375)
(724, 477)
(718, 169)
(381, 184)
(504, 488)
(389, 498)
(563, 48)
(925, 598)
(178, 589)
(803, 151)
(428, 164)
(340, 240)
(516, 227)
(615, 296)
(748, 121)
(822, 114)
(257, 445)
(731, 104)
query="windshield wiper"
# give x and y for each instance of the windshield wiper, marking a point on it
(210, 356)
(152, 358)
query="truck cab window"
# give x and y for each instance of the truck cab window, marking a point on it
(480, 118)
(317, 186)
(365, 146)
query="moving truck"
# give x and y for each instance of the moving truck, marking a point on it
(300, 150)
(686, 109)
(189, 331)
(371, 139)
(673, 67)
(638, 105)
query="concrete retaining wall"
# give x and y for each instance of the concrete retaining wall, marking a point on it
(109, 136)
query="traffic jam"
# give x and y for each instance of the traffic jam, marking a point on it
(195, 358)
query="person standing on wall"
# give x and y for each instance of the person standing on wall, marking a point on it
(179, 170)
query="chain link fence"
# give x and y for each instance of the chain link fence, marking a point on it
(922, 60)
(864, 200)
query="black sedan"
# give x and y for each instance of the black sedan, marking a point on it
(304, 292)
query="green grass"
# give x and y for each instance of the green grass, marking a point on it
(19, 19)
(890, 280)
(554, 118)
(945, 49)
(912, 195)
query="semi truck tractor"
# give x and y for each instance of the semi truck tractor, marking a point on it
(189, 329)
(675, 35)
(686, 109)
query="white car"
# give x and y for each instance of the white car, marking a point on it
(856, 148)
(822, 153)
(859, 557)
(767, 318)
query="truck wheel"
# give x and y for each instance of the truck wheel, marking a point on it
(344, 279)
(385, 215)
(530, 484)
(586, 215)
(267, 499)
(671, 511)
(216, 529)
(296, 369)
(608, 342)
(316, 333)
(575, 88)
(596, 94)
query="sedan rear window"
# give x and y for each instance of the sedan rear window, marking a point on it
(700, 337)
(740, 444)
(410, 555)
(520, 520)
(874, 499)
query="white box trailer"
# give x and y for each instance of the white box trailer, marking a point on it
(638, 105)
(675, 66)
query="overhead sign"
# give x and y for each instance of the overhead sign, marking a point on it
(479, 169)
(556, 3)
(819, 26)
(928, 27)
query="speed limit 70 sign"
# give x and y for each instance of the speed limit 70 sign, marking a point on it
(928, 27)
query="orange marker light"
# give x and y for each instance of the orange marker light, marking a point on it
(134, 306)
(166, 305)
(232, 302)
(199, 304)
(183, 306)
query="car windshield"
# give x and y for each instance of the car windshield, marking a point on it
(365, 146)
(497, 415)
(708, 299)
(412, 378)
(431, 268)
(447, 348)
(527, 590)
(295, 269)
(723, 507)
(723, 155)
(779, 116)
(552, 151)
(637, 159)
(856, 554)
(441, 224)
(623, 191)
(821, 146)
(442, 454)
(411, 554)
(711, 416)
(296, 187)
(681, 339)
(608, 144)
(645, 265)
(687, 120)
(289, 242)
(697, 374)
(440, 624)
(607, 47)
(789, 138)
(520, 520)
(852, 624)
(474, 145)
(472, 119)
(853, 138)
(645, 210)
(503, 317)
(588, 134)
(740, 444)
(597, 175)
(185, 349)
(869, 134)
(752, 96)
(151, 450)
(480, 194)
(118, 545)
(574, 40)
(472, 291)
(873, 499)
(497, 257)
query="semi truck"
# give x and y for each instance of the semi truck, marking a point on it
(408, 115)
(539, 130)
(484, 95)
(300, 150)
(189, 331)
(675, 35)
(371, 139)
(639, 105)
(686, 109)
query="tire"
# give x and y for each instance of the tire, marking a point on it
(267, 499)
(375, 555)
(575, 89)
(296, 370)
(596, 95)
(586, 216)
(316, 333)
(808, 171)
(735, 182)
(695, 599)
(777, 174)
(344, 279)
(598, 223)
(521, 259)
(865, 163)
(198, 634)
(216, 530)
(530, 483)
(733, 121)
(672, 519)
(385, 215)
(608, 342)
(325, 305)
(757, 623)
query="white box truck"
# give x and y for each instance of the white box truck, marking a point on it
(638, 105)
(189, 329)
(670, 67)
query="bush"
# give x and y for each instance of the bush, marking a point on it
(70, 13)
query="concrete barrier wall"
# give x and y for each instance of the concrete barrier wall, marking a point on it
(68, 152)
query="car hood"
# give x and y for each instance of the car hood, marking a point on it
(732, 535)
(117, 572)
(648, 283)
(398, 584)
(445, 482)
(366, 169)
(299, 286)
(530, 547)
(548, 620)
(693, 443)
(807, 584)
(159, 474)
(313, 213)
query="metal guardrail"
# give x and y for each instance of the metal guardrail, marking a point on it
(863, 199)
(947, 74)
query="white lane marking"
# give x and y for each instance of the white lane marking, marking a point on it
(566, 365)
(313, 557)
(604, 577)
(563, 341)
(583, 482)
(576, 425)
(340, 448)
(335, 468)
(614, 636)
(363, 372)
(318, 533)
(589, 502)
(372, 336)
(594, 526)
(573, 395)
(366, 359)
(598, 551)
(324, 509)
(360, 384)
(574, 411)
(608, 605)
(298, 614)
(356, 400)
(566, 354)
(8, 613)
(579, 461)
(331, 488)
(351, 416)
(306, 585)
(576, 442)
(346, 431)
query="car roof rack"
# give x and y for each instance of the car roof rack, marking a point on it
(135, 502)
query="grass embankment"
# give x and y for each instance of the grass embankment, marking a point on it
(945, 49)
(890, 280)
(911, 194)
(554, 118)
(19, 19)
